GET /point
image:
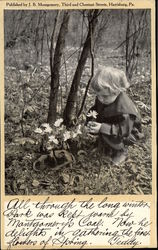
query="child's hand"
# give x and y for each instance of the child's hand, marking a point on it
(93, 127)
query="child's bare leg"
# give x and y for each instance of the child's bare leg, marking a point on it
(120, 156)
(119, 151)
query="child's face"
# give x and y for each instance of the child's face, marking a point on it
(105, 98)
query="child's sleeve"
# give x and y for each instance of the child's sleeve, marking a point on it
(122, 129)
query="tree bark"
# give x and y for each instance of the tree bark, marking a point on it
(133, 35)
(69, 112)
(92, 74)
(55, 68)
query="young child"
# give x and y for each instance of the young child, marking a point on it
(117, 116)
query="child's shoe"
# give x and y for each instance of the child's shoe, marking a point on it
(120, 157)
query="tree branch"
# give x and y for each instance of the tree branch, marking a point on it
(140, 28)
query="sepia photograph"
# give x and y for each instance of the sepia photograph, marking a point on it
(78, 102)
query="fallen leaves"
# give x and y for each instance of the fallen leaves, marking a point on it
(142, 105)
(35, 183)
(88, 171)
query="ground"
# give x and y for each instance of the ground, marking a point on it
(26, 108)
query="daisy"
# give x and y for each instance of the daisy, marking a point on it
(92, 113)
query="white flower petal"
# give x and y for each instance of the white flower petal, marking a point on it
(61, 128)
(56, 141)
(45, 125)
(53, 139)
(92, 113)
(48, 130)
(38, 131)
(79, 132)
(74, 135)
(67, 135)
(49, 147)
(58, 122)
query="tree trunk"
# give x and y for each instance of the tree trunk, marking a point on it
(69, 112)
(92, 74)
(55, 68)
(127, 43)
(133, 35)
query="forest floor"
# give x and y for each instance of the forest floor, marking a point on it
(26, 108)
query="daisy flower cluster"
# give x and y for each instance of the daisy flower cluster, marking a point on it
(57, 134)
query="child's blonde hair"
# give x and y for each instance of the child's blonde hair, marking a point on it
(110, 80)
